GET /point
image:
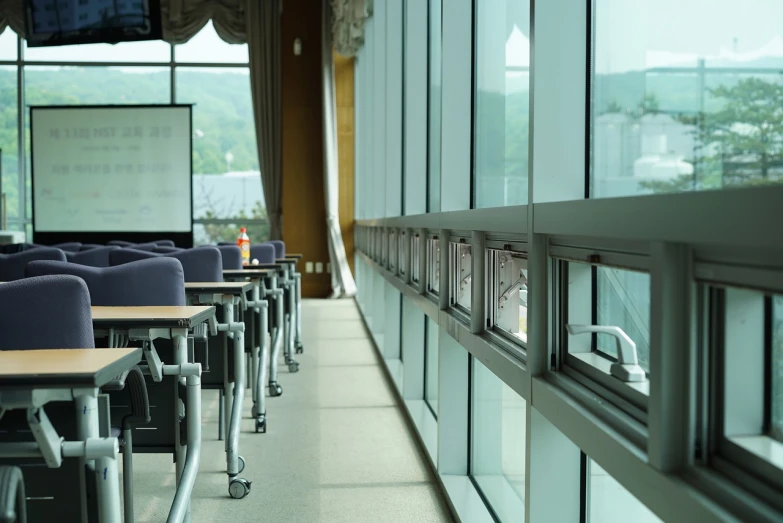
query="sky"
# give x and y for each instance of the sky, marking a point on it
(205, 47)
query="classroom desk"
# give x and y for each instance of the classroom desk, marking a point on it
(30, 379)
(265, 287)
(146, 324)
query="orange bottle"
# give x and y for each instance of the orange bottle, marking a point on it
(244, 245)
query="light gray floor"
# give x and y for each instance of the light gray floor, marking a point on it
(337, 448)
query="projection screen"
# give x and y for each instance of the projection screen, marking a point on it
(111, 169)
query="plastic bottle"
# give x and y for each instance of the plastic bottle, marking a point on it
(244, 245)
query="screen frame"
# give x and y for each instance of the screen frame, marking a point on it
(104, 36)
(180, 238)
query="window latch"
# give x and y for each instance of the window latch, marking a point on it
(626, 368)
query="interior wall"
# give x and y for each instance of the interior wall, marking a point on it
(344, 93)
(304, 206)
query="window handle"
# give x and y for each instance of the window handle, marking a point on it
(626, 368)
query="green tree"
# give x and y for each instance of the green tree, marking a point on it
(740, 143)
(257, 232)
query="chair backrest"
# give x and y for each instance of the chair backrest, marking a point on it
(166, 249)
(98, 257)
(50, 312)
(68, 246)
(149, 246)
(13, 248)
(232, 256)
(159, 281)
(121, 243)
(263, 252)
(199, 265)
(88, 246)
(12, 265)
(279, 248)
(164, 243)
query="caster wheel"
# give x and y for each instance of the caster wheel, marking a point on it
(299, 348)
(293, 366)
(261, 425)
(240, 463)
(275, 389)
(238, 488)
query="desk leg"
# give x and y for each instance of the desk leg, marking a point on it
(260, 368)
(290, 325)
(298, 340)
(181, 447)
(107, 481)
(237, 487)
(277, 343)
(180, 507)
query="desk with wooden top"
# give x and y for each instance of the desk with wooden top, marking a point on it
(31, 379)
(169, 381)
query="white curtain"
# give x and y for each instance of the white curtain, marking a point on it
(342, 280)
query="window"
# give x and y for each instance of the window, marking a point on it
(433, 266)
(460, 275)
(433, 131)
(607, 328)
(392, 250)
(147, 51)
(610, 502)
(751, 365)
(8, 44)
(208, 47)
(9, 140)
(226, 174)
(401, 252)
(497, 466)
(431, 366)
(502, 99)
(507, 276)
(415, 257)
(690, 112)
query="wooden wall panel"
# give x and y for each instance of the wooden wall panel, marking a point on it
(344, 93)
(304, 206)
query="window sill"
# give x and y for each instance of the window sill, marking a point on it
(603, 365)
(502, 497)
(764, 447)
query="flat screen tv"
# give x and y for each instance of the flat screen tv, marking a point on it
(69, 22)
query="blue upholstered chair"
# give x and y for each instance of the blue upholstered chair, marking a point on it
(12, 265)
(146, 282)
(121, 243)
(164, 243)
(13, 502)
(279, 246)
(68, 246)
(263, 252)
(50, 312)
(98, 257)
(166, 249)
(199, 265)
(90, 246)
(232, 256)
(149, 246)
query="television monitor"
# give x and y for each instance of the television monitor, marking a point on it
(69, 22)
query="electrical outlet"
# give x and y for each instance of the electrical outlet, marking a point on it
(319, 267)
(309, 267)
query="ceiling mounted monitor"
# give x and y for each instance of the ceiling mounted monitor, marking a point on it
(69, 22)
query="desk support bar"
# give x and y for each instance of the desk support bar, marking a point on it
(260, 366)
(180, 507)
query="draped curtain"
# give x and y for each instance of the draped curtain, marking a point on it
(342, 281)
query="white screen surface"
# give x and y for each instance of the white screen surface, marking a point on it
(111, 169)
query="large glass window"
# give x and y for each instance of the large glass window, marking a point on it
(507, 279)
(147, 51)
(8, 45)
(686, 96)
(610, 502)
(431, 367)
(208, 47)
(433, 131)
(9, 140)
(226, 175)
(501, 119)
(460, 255)
(498, 444)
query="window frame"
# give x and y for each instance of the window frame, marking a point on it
(505, 339)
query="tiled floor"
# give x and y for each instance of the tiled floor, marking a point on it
(337, 447)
